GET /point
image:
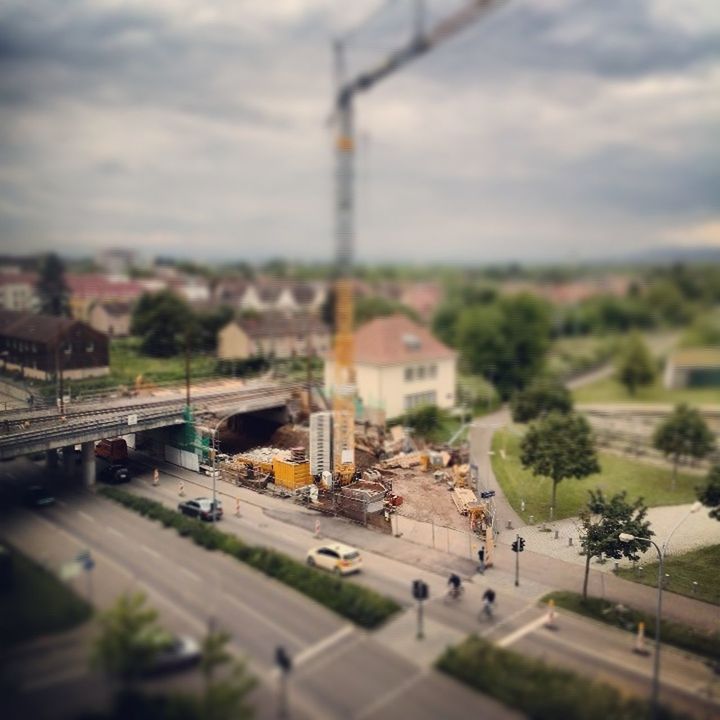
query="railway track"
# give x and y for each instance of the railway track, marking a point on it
(99, 419)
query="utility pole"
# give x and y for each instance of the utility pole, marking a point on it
(187, 367)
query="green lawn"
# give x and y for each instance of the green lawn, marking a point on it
(611, 391)
(37, 603)
(127, 363)
(699, 566)
(572, 355)
(618, 473)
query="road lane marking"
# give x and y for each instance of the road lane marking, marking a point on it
(150, 551)
(310, 652)
(85, 516)
(113, 531)
(264, 619)
(190, 574)
(521, 632)
(389, 696)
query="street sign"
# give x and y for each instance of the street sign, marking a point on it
(132, 419)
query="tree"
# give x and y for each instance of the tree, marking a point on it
(51, 287)
(426, 420)
(369, 308)
(208, 324)
(541, 396)
(558, 447)
(127, 643)
(505, 342)
(163, 321)
(683, 434)
(710, 494)
(226, 698)
(635, 365)
(602, 522)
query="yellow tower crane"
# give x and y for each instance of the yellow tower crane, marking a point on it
(344, 390)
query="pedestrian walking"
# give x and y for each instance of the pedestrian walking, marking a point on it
(156, 477)
(182, 489)
(481, 561)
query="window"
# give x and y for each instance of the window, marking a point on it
(409, 374)
(417, 399)
(420, 372)
(68, 349)
(432, 371)
(90, 346)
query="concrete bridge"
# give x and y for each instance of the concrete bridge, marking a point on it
(29, 432)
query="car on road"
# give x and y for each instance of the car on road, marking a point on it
(113, 474)
(38, 495)
(338, 558)
(201, 507)
(174, 652)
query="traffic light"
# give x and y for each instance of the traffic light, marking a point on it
(420, 590)
(518, 545)
(282, 659)
(522, 544)
(514, 546)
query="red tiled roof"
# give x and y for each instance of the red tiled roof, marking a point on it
(397, 339)
(99, 287)
(18, 279)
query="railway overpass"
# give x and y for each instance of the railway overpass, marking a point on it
(29, 432)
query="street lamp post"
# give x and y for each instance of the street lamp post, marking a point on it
(628, 537)
(213, 451)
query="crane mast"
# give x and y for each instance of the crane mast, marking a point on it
(344, 389)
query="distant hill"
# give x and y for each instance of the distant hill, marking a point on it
(672, 254)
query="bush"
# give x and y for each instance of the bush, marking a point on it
(542, 692)
(361, 605)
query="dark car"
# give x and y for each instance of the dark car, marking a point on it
(200, 508)
(38, 495)
(113, 474)
(172, 652)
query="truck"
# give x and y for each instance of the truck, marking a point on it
(113, 450)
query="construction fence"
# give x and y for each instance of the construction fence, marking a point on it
(439, 537)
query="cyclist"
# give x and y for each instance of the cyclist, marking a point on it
(488, 603)
(454, 585)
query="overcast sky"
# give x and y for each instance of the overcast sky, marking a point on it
(549, 129)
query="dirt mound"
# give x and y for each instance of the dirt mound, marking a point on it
(290, 436)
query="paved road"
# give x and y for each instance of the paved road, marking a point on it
(341, 672)
(390, 669)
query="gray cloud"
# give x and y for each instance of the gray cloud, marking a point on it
(547, 121)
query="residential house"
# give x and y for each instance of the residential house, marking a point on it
(272, 334)
(422, 297)
(18, 291)
(39, 346)
(263, 296)
(693, 367)
(112, 317)
(399, 365)
(88, 289)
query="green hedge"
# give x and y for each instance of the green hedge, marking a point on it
(534, 688)
(359, 604)
(682, 636)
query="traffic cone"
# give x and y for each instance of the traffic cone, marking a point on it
(237, 507)
(640, 648)
(551, 617)
(317, 529)
(156, 477)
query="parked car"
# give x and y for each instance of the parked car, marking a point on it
(113, 474)
(340, 559)
(174, 653)
(201, 508)
(38, 495)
